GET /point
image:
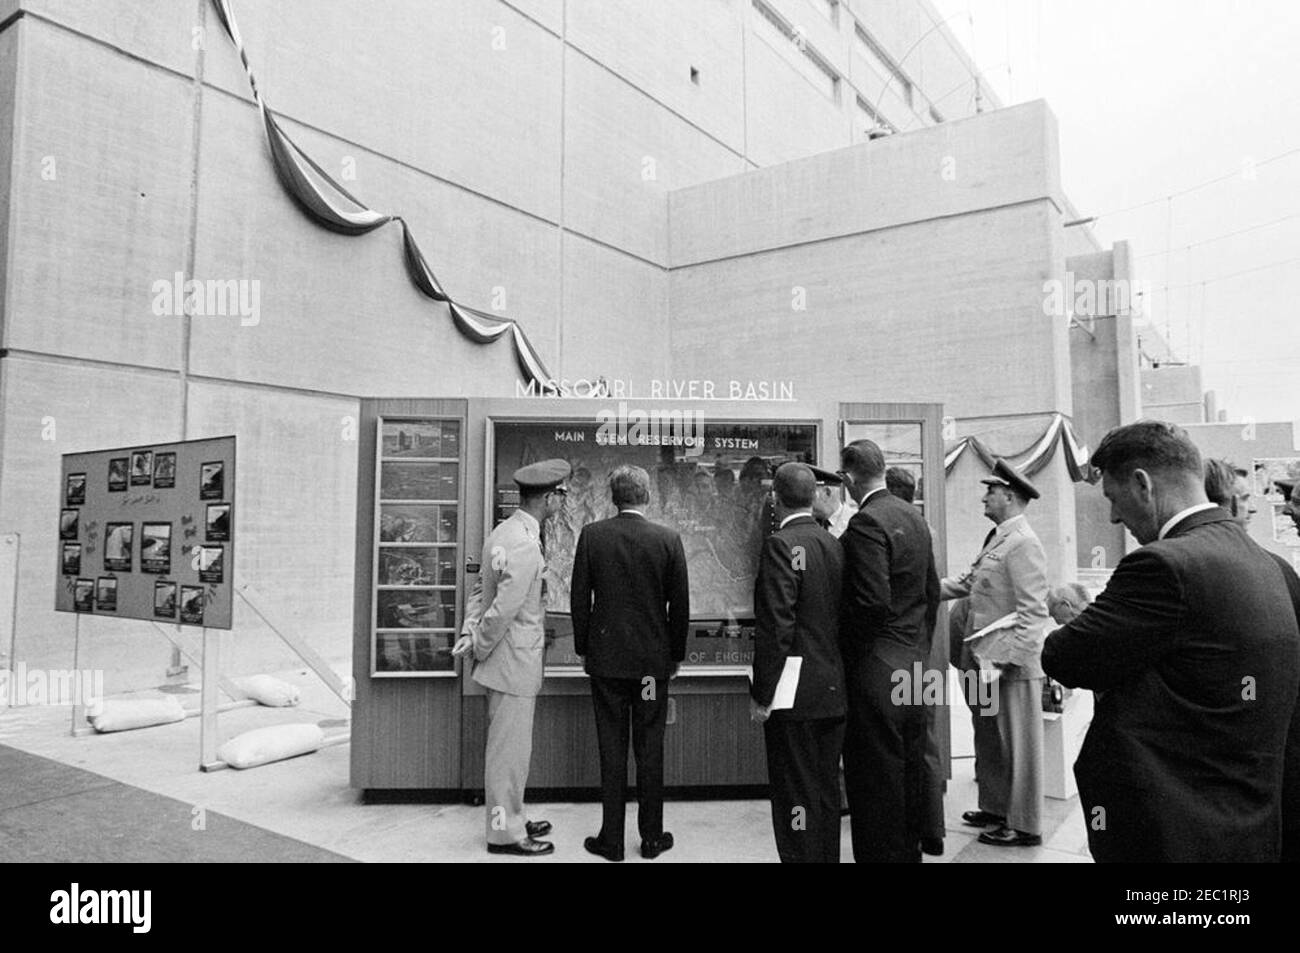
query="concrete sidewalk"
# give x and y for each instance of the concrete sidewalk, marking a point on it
(136, 795)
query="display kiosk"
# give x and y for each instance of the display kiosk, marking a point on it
(435, 477)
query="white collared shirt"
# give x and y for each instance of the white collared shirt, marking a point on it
(1007, 525)
(794, 516)
(637, 512)
(871, 493)
(1182, 515)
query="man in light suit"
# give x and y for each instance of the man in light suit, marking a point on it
(630, 601)
(507, 639)
(796, 613)
(1194, 650)
(1009, 577)
(889, 600)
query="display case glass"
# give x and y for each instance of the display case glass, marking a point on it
(418, 477)
(711, 487)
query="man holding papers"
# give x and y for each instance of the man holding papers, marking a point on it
(798, 689)
(1006, 625)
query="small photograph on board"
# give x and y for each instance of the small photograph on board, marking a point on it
(417, 567)
(118, 539)
(212, 480)
(217, 527)
(69, 523)
(141, 467)
(164, 599)
(83, 595)
(412, 438)
(192, 604)
(212, 562)
(106, 594)
(72, 559)
(164, 470)
(117, 475)
(75, 491)
(156, 548)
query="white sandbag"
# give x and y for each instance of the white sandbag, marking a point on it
(264, 745)
(269, 691)
(122, 714)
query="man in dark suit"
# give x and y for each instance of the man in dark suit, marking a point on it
(796, 615)
(1194, 649)
(630, 600)
(889, 603)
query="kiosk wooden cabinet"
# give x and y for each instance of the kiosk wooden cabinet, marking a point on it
(434, 477)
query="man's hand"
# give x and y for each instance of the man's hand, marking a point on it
(758, 713)
(464, 645)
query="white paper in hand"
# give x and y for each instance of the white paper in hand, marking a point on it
(788, 684)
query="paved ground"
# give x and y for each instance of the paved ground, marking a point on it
(138, 796)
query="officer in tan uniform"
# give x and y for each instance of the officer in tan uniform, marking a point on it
(505, 632)
(1009, 577)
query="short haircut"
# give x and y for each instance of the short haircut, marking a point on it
(1220, 475)
(863, 459)
(794, 485)
(901, 483)
(533, 493)
(629, 486)
(1152, 445)
(1075, 592)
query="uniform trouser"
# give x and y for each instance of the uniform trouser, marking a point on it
(505, 765)
(803, 768)
(1019, 724)
(991, 767)
(618, 702)
(884, 770)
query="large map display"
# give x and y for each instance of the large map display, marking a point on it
(712, 493)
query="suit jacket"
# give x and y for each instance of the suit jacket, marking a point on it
(1195, 650)
(1291, 769)
(508, 620)
(891, 592)
(630, 598)
(797, 612)
(1009, 575)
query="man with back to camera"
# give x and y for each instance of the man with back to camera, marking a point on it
(505, 632)
(888, 606)
(902, 483)
(1194, 647)
(1009, 577)
(796, 613)
(630, 601)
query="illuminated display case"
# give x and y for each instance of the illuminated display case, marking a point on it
(708, 481)
(416, 555)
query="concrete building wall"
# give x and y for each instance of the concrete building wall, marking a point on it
(1104, 371)
(1173, 393)
(535, 147)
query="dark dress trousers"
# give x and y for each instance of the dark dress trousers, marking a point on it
(796, 613)
(1194, 651)
(630, 601)
(889, 601)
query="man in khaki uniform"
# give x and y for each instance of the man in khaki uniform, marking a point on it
(1009, 577)
(507, 636)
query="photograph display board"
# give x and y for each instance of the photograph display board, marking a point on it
(148, 532)
(713, 494)
(1273, 500)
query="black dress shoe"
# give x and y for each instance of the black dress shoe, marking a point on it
(1007, 837)
(594, 846)
(524, 848)
(652, 848)
(983, 819)
(932, 846)
(537, 828)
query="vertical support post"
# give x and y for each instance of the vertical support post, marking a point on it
(76, 668)
(208, 700)
(8, 609)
